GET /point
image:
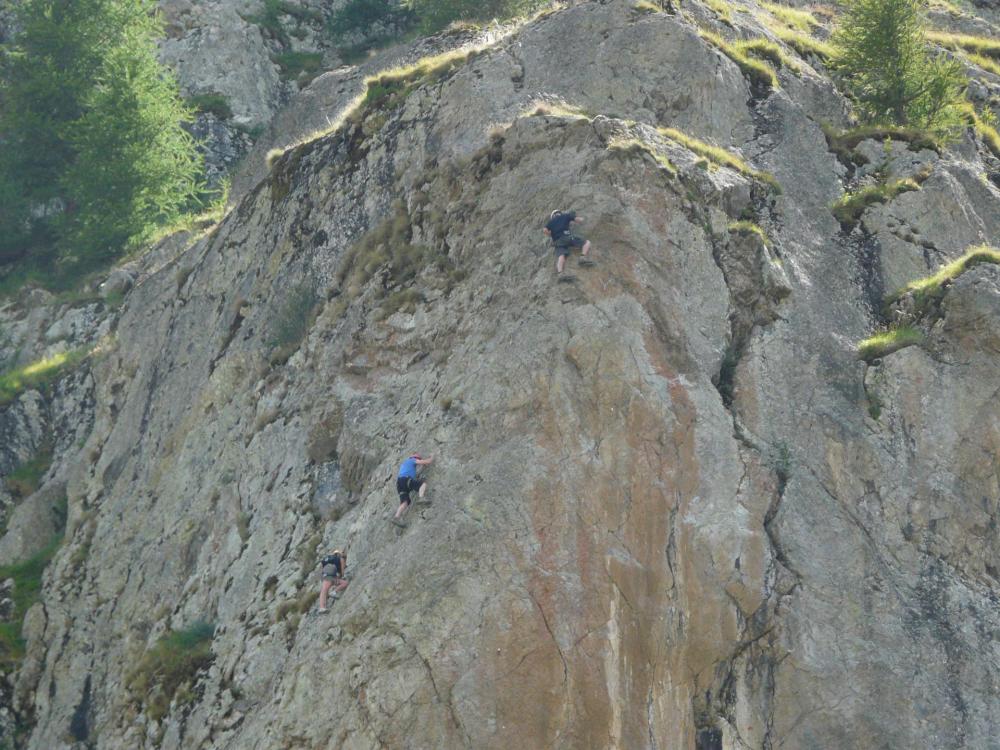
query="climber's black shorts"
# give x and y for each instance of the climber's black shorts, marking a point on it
(406, 485)
(566, 243)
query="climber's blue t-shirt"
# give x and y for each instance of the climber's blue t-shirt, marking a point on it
(409, 468)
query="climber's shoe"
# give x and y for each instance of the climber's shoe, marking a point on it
(398, 522)
(565, 278)
(586, 263)
(322, 610)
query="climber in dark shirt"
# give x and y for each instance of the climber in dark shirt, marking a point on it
(562, 239)
(334, 566)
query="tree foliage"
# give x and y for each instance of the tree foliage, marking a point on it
(92, 133)
(882, 56)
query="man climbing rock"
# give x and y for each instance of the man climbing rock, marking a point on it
(563, 240)
(407, 482)
(334, 577)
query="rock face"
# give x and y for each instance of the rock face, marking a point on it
(664, 512)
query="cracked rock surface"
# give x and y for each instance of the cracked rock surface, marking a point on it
(662, 514)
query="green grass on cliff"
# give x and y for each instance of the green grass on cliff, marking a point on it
(749, 228)
(38, 374)
(635, 147)
(889, 341)
(27, 577)
(170, 667)
(758, 72)
(720, 157)
(851, 206)
(931, 288)
(980, 45)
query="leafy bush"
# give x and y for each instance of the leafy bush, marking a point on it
(170, 667)
(882, 56)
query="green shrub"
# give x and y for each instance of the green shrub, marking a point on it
(170, 667)
(979, 45)
(889, 341)
(27, 577)
(883, 59)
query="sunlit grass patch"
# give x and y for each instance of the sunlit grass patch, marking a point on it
(889, 341)
(635, 146)
(932, 287)
(758, 72)
(719, 156)
(980, 45)
(795, 18)
(748, 229)
(544, 108)
(768, 51)
(849, 208)
(38, 374)
(802, 42)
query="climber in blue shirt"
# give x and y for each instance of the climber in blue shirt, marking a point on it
(407, 482)
(563, 240)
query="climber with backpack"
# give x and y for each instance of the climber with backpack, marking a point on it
(563, 240)
(407, 482)
(333, 576)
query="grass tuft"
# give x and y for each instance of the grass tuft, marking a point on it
(979, 45)
(720, 157)
(768, 51)
(542, 108)
(291, 324)
(889, 341)
(645, 6)
(749, 228)
(849, 208)
(634, 147)
(801, 20)
(803, 43)
(169, 668)
(759, 73)
(931, 288)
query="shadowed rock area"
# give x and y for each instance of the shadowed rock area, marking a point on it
(664, 510)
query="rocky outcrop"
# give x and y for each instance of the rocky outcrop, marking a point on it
(663, 513)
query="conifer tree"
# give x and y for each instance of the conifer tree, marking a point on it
(883, 58)
(92, 151)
